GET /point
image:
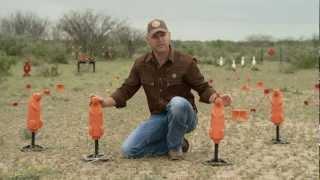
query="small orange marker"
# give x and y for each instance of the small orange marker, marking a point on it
(245, 87)
(240, 115)
(28, 86)
(60, 87)
(46, 91)
(260, 85)
(26, 68)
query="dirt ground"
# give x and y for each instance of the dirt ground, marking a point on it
(247, 145)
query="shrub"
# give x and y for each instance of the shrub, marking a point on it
(207, 60)
(304, 61)
(6, 63)
(12, 46)
(48, 52)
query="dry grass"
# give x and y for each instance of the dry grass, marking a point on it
(246, 145)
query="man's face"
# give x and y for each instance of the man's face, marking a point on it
(159, 42)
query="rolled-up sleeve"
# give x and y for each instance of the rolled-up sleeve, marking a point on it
(130, 86)
(196, 80)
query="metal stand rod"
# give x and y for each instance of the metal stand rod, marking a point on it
(96, 148)
(215, 161)
(33, 139)
(33, 146)
(278, 139)
(216, 151)
(278, 134)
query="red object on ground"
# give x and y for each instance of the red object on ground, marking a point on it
(34, 121)
(240, 115)
(271, 51)
(28, 86)
(95, 119)
(253, 110)
(46, 92)
(277, 115)
(26, 69)
(60, 87)
(260, 85)
(216, 131)
(267, 91)
(245, 87)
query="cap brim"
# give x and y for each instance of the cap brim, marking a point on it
(152, 32)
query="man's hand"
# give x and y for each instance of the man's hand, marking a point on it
(225, 98)
(108, 102)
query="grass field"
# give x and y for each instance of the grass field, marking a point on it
(246, 145)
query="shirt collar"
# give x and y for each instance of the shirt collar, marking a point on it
(150, 56)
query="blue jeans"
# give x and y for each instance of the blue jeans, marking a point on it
(163, 131)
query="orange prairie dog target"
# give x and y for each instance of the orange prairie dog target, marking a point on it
(34, 121)
(95, 119)
(277, 115)
(216, 131)
(27, 68)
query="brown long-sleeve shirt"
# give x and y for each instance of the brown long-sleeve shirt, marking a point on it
(176, 77)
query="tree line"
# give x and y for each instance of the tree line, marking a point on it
(85, 31)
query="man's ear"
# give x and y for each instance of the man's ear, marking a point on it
(146, 39)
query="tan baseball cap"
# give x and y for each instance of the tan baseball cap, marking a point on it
(156, 25)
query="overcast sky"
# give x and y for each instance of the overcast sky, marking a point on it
(194, 19)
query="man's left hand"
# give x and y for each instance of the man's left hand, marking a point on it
(226, 99)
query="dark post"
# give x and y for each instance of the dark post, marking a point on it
(33, 139)
(216, 151)
(278, 134)
(280, 56)
(261, 55)
(96, 148)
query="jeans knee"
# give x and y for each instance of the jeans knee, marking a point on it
(128, 151)
(179, 105)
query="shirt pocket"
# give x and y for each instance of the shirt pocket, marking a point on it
(175, 87)
(147, 82)
(174, 82)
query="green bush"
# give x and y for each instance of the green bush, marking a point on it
(37, 49)
(47, 52)
(58, 54)
(6, 63)
(207, 60)
(304, 59)
(12, 45)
